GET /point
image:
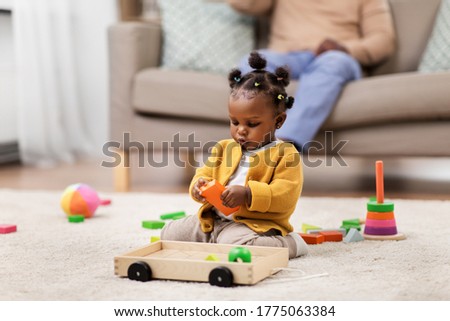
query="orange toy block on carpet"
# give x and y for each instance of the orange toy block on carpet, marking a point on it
(312, 238)
(331, 236)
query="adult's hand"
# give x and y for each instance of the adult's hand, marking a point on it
(330, 44)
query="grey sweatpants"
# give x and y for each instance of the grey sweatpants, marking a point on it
(226, 232)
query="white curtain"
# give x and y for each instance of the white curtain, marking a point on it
(61, 57)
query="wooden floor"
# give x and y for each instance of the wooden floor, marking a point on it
(418, 179)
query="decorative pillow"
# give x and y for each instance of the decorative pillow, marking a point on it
(204, 35)
(437, 52)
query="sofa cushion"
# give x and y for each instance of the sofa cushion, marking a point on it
(187, 94)
(437, 53)
(204, 35)
(392, 98)
(377, 100)
(413, 22)
(419, 138)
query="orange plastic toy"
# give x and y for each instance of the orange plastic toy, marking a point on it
(380, 221)
(312, 238)
(379, 181)
(212, 192)
(380, 215)
(332, 236)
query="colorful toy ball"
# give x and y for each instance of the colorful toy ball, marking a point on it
(81, 199)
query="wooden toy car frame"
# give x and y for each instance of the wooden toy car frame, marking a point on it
(187, 261)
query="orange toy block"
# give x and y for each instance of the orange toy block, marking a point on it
(212, 192)
(331, 236)
(312, 238)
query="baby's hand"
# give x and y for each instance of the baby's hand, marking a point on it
(235, 195)
(196, 192)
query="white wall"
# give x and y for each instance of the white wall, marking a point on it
(92, 19)
(8, 110)
(89, 23)
(6, 4)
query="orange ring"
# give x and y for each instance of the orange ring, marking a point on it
(380, 215)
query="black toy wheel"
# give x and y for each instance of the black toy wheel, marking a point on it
(139, 271)
(221, 276)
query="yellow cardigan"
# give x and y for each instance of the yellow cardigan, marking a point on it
(275, 179)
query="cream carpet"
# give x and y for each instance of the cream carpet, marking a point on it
(51, 259)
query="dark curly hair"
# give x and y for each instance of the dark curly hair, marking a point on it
(261, 81)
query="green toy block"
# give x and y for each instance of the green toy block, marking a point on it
(173, 216)
(76, 218)
(212, 257)
(306, 227)
(153, 225)
(354, 221)
(154, 239)
(348, 227)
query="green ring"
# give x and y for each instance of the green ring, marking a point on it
(373, 206)
(239, 253)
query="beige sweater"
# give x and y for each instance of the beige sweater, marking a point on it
(364, 27)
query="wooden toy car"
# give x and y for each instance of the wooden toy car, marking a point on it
(187, 261)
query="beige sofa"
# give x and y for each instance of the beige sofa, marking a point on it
(395, 111)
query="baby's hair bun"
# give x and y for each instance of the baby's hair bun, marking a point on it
(234, 77)
(256, 61)
(261, 81)
(282, 75)
(289, 102)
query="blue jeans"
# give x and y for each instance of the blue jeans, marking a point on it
(321, 81)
